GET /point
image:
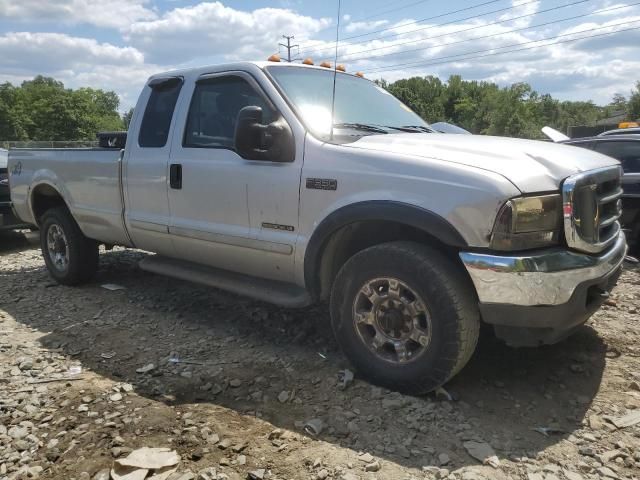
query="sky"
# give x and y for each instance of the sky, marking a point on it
(573, 49)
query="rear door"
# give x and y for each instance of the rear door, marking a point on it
(146, 166)
(227, 211)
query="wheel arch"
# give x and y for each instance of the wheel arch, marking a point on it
(43, 197)
(353, 228)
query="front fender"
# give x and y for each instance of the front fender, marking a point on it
(375, 210)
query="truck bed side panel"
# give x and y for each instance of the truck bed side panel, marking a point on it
(87, 179)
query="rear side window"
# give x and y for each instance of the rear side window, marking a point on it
(156, 121)
(214, 109)
(627, 152)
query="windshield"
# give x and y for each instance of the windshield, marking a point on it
(359, 102)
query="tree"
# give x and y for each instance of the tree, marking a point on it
(43, 109)
(126, 118)
(484, 107)
(618, 102)
(633, 106)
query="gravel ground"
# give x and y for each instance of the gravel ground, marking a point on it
(89, 374)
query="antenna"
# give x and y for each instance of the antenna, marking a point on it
(335, 72)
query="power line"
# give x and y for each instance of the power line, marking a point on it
(288, 46)
(421, 63)
(470, 28)
(552, 22)
(388, 11)
(446, 14)
(317, 50)
(330, 27)
(473, 57)
(404, 24)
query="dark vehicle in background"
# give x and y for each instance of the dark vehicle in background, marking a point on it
(621, 131)
(7, 218)
(625, 148)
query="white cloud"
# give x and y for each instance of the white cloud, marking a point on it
(46, 51)
(106, 13)
(592, 68)
(211, 32)
(211, 28)
(360, 26)
(526, 9)
(77, 62)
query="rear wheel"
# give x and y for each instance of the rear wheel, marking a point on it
(71, 258)
(405, 315)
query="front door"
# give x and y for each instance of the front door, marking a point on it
(145, 166)
(230, 212)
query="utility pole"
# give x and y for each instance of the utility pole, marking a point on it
(288, 46)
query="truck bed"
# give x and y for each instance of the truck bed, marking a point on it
(89, 179)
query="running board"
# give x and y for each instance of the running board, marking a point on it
(272, 291)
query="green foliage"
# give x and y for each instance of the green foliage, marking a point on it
(633, 106)
(42, 109)
(485, 108)
(126, 118)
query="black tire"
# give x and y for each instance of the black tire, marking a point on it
(439, 284)
(81, 252)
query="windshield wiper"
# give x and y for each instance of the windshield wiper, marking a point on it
(362, 126)
(413, 128)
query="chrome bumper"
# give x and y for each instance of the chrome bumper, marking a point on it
(542, 278)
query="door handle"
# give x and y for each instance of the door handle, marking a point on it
(175, 176)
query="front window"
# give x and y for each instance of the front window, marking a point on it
(214, 109)
(360, 106)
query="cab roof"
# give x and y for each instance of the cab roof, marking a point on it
(244, 65)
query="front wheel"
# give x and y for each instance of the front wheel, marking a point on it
(405, 315)
(71, 258)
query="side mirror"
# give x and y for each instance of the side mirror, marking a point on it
(255, 141)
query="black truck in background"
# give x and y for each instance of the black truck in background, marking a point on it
(8, 220)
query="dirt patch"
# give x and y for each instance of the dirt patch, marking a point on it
(229, 384)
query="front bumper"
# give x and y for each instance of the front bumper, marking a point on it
(540, 297)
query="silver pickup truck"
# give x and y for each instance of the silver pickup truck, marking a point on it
(248, 177)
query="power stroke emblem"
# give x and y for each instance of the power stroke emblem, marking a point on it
(276, 226)
(322, 183)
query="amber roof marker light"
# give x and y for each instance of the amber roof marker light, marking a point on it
(274, 58)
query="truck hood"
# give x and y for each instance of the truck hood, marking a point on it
(532, 166)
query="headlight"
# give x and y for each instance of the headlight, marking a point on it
(528, 222)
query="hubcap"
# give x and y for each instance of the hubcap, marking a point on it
(392, 320)
(57, 248)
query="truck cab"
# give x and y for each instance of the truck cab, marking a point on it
(297, 184)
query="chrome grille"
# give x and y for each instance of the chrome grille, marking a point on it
(592, 207)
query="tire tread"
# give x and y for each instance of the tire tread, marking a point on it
(83, 252)
(457, 289)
